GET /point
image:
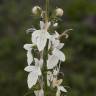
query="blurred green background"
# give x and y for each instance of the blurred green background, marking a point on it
(80, 47)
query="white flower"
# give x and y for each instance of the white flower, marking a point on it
(36, 9)
(35, 71)
(57, 44)
(54, 58)
(52, 61)
(39, 37)
(59, 54)
(55, 41)
(39, 92)
(28, 47)
(59, 12)
(59, 89)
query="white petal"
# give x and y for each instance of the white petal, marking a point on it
(32, 79)
(36, 92)
(49, 45)
(52, 61)
(58, 93)
(41, 63)
(42, 25)
(33, 69)
(41, 41)
(39, 92)
(39, 71)
(59, 54)
(55, 43)
(47, 35)
(56, 35)
(61, 88)
(29, 57)
(48, 24)
(39, 37)
(35, 35)
(60, 45)
(30, 68)
(28, 46)
(36, 62)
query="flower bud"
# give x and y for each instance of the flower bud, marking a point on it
(55, 24)
(36, 10)
(59, 12)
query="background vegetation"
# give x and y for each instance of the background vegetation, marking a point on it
(80, 48)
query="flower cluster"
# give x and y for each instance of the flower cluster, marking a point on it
(44, 56)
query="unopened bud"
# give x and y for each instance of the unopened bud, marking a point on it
(55, 24)
(36, 10)
(59, 12)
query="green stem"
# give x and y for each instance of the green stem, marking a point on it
(46, 9)
(45, 67)
(45, 53)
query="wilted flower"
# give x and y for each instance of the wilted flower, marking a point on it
(56, 82)
(59, 12)
(56, 71)
(36, 10)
